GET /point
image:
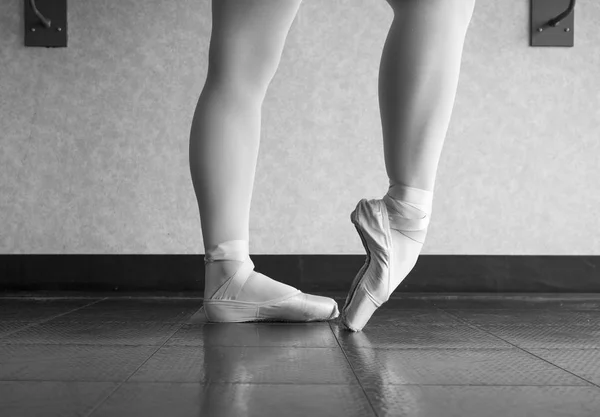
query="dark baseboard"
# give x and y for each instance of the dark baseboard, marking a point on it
(310, 273)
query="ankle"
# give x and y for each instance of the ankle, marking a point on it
(231, 250)
(399, 196)
(409, 211)
(217, 273)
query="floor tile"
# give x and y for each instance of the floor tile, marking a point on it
(144, 309)
(255, 334)
(95, 333)
(394, 303)
(492, 401)
(277, 365)
(37, 309)
(376, 367)
(401, 303)
(523, 303)
(225, 400)
(418, 336)
(394, 317)
(582, 362)
(51, 399)
(416, 357)
(7, 327)
(528, 317)
(71, 362)
(552, 336)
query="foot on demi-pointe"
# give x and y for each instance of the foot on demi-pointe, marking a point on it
(392, 231)
(235, 292)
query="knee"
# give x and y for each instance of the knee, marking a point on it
(243, 63)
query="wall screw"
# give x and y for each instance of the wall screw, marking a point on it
(33, 29)
(59, 29)
(540, 29)
(567, 30)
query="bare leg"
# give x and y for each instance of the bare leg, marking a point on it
(418, 78)
(246, 44)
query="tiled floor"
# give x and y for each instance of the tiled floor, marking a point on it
(441, 356)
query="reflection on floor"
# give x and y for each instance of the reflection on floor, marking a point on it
(439, 356)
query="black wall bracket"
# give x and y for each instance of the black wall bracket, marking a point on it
(552, 22)
(46, 23)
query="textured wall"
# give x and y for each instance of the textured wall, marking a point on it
(94, 137)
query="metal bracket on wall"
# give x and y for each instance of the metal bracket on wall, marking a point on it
(46, 23)
(552, 22)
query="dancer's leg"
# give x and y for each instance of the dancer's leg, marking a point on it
(418, 78)
(246, 44)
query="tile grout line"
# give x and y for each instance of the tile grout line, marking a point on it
(119, 385)
(512, 347)
(173, 345)
(429, 348)
(523, 350)
(353, 371)
(292, 383)
(49, 318)
(559, 367)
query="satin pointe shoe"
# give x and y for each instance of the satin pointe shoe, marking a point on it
(374, 283)
(294, 306)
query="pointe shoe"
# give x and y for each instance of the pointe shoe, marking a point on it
(370, 287)
(373, 284)
(223, 307)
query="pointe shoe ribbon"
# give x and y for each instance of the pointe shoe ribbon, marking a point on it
(402, 224)
(231, 288)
